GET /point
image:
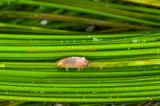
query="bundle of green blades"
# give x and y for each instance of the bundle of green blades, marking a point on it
(120, 38)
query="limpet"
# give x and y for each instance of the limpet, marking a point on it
(73, 62)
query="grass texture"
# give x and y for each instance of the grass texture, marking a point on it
(119, 38)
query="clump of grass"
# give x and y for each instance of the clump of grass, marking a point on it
(120, 39)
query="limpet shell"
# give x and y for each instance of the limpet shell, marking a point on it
(73, 62)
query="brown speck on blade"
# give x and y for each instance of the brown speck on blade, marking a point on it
(61, 50)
